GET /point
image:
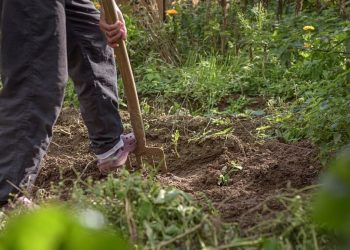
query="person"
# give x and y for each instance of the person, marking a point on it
(42, 42)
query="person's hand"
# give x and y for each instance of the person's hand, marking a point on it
(114, 32)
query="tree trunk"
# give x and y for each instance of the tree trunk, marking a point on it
(195, 3)
(251, 56)
(161, 9)
(279, 10)
(318, 6)
(347, 56)
(266, 4)
(236, 33)
(342, 7)
(225, 8)
(245, 6)
(298, 7)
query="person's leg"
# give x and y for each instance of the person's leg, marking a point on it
(92, 68)
(34, 73)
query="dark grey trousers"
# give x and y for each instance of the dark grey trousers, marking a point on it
(42, 42)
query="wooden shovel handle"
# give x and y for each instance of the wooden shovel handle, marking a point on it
(122, 57)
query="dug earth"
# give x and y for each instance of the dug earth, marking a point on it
(220, 160)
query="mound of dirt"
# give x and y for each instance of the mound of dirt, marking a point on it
(221, 158)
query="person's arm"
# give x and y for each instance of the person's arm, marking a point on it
(113, 32)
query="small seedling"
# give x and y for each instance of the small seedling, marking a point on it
(175, 140)
(221, 121)
(223, 180)
(224, 177)
(235, 166)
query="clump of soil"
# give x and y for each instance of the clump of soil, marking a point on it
(206, 149)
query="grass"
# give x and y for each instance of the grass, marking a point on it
(152, 216)
(296, 108)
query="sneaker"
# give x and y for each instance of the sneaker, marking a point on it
(120, 157)
(19, 201)
(26, 203)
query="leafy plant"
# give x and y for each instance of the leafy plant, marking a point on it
(226, 173)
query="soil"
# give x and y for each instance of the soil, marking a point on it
(256, 169)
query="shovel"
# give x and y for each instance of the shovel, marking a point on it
(142, 152)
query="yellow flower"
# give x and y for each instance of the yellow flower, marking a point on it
(309, 27)
(98, 6)
(171, 12)
(307, 45)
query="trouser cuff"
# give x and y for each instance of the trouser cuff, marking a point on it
(110, 152)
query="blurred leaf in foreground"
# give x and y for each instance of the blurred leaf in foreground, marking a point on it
(332, 204)
(53, 228)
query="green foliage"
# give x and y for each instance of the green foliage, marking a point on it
(194, 61)
(202, 24)
(319, 79)
(151, 215)
(70, 98)
(200, 84)
(306, 69)
(55, 228)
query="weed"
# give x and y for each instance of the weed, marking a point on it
(145, 107)
(237, 105)
(226, 173)
(175, 140)
(71, 98)
(151, 215)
